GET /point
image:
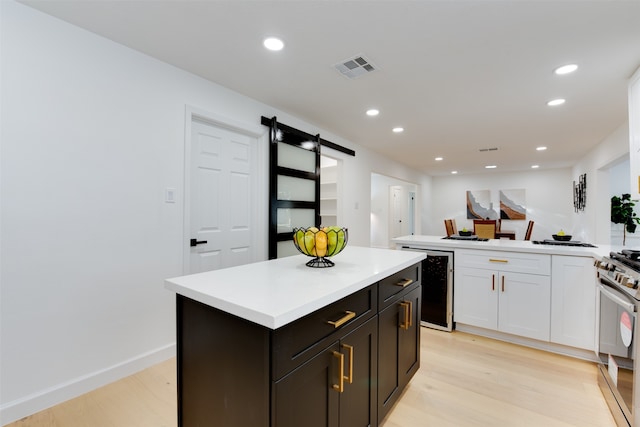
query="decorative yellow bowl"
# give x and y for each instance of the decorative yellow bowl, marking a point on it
(320, 243)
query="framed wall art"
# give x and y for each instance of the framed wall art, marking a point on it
(479, 205)
(512, 204)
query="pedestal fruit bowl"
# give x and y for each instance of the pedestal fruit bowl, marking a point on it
(320, 243)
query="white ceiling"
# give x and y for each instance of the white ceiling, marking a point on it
(457, 75)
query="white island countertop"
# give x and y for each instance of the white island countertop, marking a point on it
(276, 292)
(437, 242)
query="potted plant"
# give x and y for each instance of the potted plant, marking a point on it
(622, 213)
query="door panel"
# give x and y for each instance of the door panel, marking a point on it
(358, 402)
(475, 297)
(305, 397)
(221, 197)
(525, 305)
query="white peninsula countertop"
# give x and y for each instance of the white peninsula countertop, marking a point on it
(438, 242)
(276, 292)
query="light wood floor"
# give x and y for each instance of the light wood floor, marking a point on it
(464, 380)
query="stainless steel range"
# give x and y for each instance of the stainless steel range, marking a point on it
(619, 298)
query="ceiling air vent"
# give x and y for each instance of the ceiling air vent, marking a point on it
(488, 149)
(354, 67)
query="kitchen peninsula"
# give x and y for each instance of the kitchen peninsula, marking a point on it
(280, 344)
(543, 296)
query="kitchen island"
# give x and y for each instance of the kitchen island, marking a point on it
(543, 296)
(279, 344)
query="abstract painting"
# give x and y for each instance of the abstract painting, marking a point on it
(512, 204)
(479, 205)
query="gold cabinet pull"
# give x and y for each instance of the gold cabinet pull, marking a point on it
(406, 305)
(350, 350)
(504, 261)
(493, 282)
(404, 282)
(502, 283)
(340, 386)
(344, 319)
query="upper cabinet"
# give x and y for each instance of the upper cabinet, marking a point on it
(634, 133)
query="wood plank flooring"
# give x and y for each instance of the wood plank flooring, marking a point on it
(464, 380)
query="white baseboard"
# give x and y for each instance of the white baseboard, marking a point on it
(578, 353)
(36, 402)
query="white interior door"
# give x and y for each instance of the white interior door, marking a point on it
(220, 189)
(398, 216)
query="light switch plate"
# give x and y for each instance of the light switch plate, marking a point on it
(170, 195)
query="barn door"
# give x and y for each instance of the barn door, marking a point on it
(294, 185)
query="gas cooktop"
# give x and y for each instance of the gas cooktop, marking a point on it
(630, 258)
(563, 243)
(473, 238)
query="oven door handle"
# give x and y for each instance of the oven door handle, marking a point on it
(615, 298)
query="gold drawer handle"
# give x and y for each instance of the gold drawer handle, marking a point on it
(350, 350)
(344, 319)
(406, 324)
(404, 282)
(340, 386)
(498, 260)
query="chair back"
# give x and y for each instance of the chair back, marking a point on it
(527, 235)
(485, 228)
(450, 227)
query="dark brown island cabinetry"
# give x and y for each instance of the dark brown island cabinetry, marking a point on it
(344, 365)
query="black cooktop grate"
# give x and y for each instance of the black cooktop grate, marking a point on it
(628, 258)
(563, 243)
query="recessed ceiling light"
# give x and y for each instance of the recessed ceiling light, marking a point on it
(398, 130)
(535, 166)
(373, 112)
(273, 43)
(454, 172)
(566, 69)
(555, 102)
(490, 167)
(541, 148)
(437, 159)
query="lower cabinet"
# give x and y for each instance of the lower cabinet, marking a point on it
(490, 294)
(549, 298)
(344, 365)
(399, 354)
(334, 388)
(573, 301)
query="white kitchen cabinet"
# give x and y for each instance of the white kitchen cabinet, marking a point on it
(573, 301)
(507, 292)
(475, 300)
(524, 307)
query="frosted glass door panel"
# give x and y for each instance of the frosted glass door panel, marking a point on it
(290, 218)
(290, 188)
(296, 158)
(286, 248)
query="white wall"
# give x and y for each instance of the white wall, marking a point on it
(595, 220)
(619, 184)
(549, 195)
(549, 200)
(634, 134)
(380, 208)
(92, 133)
